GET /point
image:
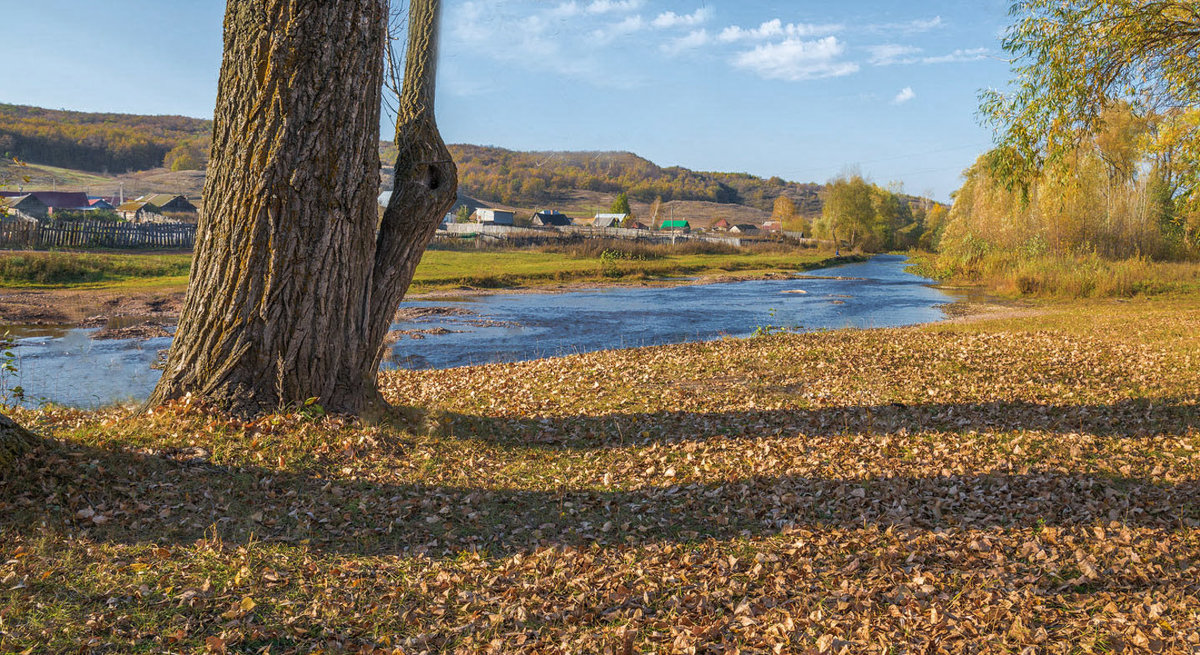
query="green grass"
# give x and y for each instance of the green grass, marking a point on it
(442, 269)
(85, 270)
(439, 270)
(41, 174)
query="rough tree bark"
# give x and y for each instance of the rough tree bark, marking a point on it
(15, 441)
(295, 283)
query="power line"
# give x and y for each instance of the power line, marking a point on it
(795, 172)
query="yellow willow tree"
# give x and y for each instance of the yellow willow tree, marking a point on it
(1074, 60)
(296, 279)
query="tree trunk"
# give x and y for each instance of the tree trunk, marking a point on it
(293, 286)
(15, 441)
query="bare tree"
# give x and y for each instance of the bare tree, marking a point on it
(295, 279)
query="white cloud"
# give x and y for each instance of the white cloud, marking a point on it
(973, 54)
(693, 40)
(795, 59)
(773, 29)
(611, 6)
(528, 40)
(891, 53)
(572, 38)
(615, 31)
(565, 10)
(918, 26)
(904, 96)
(669, 19)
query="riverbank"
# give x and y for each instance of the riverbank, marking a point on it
(1004, 484)
(1019, 275)
(91, 290)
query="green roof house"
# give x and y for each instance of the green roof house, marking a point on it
(675, 226)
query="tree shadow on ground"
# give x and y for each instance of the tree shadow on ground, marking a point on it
(124, 496)
(1127, 418)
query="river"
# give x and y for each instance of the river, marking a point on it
(68, 367)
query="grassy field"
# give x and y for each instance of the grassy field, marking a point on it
(439, 270)
(62, 270)
(1025, 483)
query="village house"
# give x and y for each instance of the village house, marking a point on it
(158, 207)
(136, 211)
(493, 217)
(550, 218)
(609, 220)
(100, 204)
(772, 226)
(55, 200)
(170, 204)
(675, 225)
(26, 207)
(744, 228)
(722, 225)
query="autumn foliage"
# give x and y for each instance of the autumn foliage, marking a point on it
(113, 143)
(1025, 484)
(529, 179)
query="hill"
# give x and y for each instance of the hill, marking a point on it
(103, 153)
(155, 180)
(531, 179)
(101, 143)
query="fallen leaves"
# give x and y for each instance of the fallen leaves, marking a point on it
(982, 489)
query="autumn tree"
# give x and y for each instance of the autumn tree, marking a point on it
(1073, 59)
(296, 278)
(188, 155)
(784, 212)
(621, 204)
(655, 209)
(849, 212)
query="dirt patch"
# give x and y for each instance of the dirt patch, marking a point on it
(970, 312)
(87, 308)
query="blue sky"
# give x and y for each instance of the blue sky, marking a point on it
(799, 89)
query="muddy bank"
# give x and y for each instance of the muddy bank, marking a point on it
(87, 308)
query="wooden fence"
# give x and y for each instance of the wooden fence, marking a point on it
(533, 235)
(20, 233)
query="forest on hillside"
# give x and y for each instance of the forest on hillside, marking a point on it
(102, 143)
(118, 143)
(532, 178)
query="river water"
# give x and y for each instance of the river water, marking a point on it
(67, 367)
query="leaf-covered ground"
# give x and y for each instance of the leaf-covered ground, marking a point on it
(1026, 485)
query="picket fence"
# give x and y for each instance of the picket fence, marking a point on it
(21, 233)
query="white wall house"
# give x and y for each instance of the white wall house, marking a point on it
(609, 220)
(494, 217)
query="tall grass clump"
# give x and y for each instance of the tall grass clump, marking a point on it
(1067, 276)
